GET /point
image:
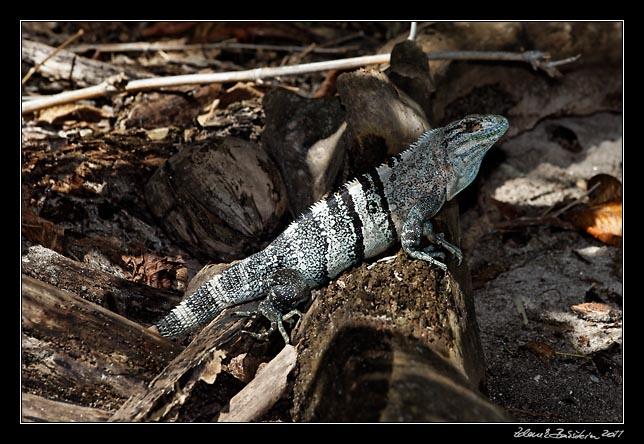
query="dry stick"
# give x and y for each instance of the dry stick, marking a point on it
(569, 205)
(34, 68)
(412, 31)
(111, 86)
(177, 46)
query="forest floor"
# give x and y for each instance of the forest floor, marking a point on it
(543, 247)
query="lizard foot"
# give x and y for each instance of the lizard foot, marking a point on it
(276, 319)
(287, 289)
(438, 239)
(429, 257)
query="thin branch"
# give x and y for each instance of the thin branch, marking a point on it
(413, 31)
(570, 204)
(34, 68)
(572, 355)
(119, 85)
(179, 46)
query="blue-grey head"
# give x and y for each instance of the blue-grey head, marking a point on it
(466, 142)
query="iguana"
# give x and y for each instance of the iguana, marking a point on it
(365, 217)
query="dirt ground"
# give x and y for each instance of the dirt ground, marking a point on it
(540, 368)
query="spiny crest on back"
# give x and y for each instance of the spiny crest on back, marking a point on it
(319, 205)
(423, 140)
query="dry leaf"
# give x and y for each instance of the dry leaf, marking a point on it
(603, 221)
(543, 351)
(43, 232)
(238, 92)
(609, 189)
(588, 336)
(156, 271)
(597, 312)
(57, 115)
(39, 230)
(157, 133)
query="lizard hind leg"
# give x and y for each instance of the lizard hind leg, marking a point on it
(287, 288)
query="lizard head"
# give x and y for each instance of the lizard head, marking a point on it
(466, 141)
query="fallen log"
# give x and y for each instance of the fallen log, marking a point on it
(39, 409)
(137, 302)
(75, 351)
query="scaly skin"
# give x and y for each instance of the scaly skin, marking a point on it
(365, 217)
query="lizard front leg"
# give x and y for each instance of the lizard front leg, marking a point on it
(417, 226)
(287, 289)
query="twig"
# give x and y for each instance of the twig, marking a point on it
(521, 310)
(34, 68)
(570, 204)
(178, 46)
(105, 88)
(535, 58)
(572, 355)
(412, 31)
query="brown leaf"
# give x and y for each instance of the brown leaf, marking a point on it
(39, 230)
(597, 312)
(543, 351)
(161, 110)
(57, 115)
(603, 221)
(162, 29)
(155, 270)
(609, 189)
(238, 92)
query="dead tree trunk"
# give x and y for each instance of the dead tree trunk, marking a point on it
(77, 352)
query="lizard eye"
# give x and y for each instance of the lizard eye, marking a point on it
(471, 126)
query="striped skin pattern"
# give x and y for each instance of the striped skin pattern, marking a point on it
(365, 217)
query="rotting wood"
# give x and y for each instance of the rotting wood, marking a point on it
(34, 68)
(270, 384)
(200, 381)
(137, 302)
(38, 409)
(66, 65)
(75, 351)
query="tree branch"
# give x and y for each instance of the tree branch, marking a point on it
(537, 59)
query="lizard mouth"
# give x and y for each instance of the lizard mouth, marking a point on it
(498, 126)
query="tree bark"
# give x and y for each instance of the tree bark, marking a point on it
(201, 381)
(39, 409)
(77, 352)
(69, 66)
(137, 302)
